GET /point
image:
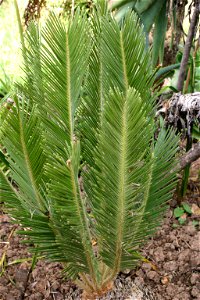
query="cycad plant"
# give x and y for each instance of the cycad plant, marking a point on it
(85, 112)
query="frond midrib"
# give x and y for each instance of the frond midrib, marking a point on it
(85, 233)
(81, 210)
(68, 88)
(121, 194)
(122, 170)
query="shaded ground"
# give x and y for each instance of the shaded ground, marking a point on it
(171, 272)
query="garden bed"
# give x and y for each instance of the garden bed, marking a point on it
(171, 271)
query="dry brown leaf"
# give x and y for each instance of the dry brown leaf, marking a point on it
(195, 209)
(94, 243)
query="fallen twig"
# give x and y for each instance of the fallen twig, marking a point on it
(192, 155)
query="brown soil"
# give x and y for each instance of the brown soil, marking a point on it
(171, 270)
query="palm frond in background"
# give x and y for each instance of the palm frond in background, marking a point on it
(155, 15)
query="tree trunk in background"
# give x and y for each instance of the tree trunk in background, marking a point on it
(175, 31)
(188, 45)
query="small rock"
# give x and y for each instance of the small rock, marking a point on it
(159, 255)
(169, 214)
(195, 259)
(195, 245)
(129, 280)
(36, 296)
(140, 273)
(170, 255)
(194, 278)
(21, 278)
(3, 290)
(184, 296)
(171, 290)
(9, 253)
(184, 255)
(10, 297)
(169, 246)
(146, 266)
(151, 252)
(184, 267)
(172, 237)
(195, 291)
(139, 281)
(170, 266)
(153, 276)
(190, 229)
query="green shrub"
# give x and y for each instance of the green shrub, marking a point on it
(86, 109)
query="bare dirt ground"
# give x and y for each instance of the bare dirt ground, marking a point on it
(171, 271)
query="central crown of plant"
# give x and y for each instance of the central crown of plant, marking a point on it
(85, 113)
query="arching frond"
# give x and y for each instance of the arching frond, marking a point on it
(158, 186)
(121, 173)
(119, 60)
(68, 211)
(64, 57)
(32, 83)
(20, 135)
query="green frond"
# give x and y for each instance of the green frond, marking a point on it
(20, 135)
(91, 108)
(68, 211)
(22, 180)
(159, 34)
(159, 185)
(118, 60)
(32, 83)
(120, 174)
(64, 57)
(125, 56)
(55, 63)
(7, 189)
